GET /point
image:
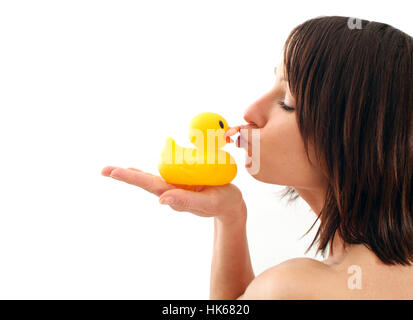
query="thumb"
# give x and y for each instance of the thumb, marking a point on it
(185, 200)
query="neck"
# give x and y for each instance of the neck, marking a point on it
(315, 199)
(338, 251)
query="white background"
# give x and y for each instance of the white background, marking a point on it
(85, 84)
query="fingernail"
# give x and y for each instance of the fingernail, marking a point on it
(167, 200)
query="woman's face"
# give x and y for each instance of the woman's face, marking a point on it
(282, 159)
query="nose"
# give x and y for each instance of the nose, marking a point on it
(257, 112)
(251, 114)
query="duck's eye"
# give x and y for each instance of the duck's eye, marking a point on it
(221, 124)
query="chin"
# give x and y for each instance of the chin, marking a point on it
(259, 175)
(266, 176)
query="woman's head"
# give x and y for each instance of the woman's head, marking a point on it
(282, 154)
(350, 132)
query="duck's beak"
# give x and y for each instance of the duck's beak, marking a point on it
(230, 132)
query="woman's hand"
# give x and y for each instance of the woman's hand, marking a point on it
(222, 202)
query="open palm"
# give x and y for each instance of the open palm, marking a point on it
(206, 201)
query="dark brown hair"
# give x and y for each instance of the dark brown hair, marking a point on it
(353, 85)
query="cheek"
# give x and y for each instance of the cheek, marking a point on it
(283, 158)
(282, 144)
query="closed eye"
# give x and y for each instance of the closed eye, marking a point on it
(286, 107)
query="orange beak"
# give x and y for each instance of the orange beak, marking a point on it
(230, 132)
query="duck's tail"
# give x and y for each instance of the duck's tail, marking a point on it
(172, 153)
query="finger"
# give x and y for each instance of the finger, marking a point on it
(185, 200)
(190, 187)
(150, 174)
(151, 183)
(197, 212)
(106, 171)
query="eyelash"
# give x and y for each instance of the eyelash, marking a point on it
(285, 107)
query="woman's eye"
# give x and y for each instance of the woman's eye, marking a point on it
(285, 107)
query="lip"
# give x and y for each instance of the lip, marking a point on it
(248, 126)
(233, 130)
(242, 140)
(243, 143)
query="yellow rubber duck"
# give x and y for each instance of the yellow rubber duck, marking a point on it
(207, 164)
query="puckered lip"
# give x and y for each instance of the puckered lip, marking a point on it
(242, 140)
(233, 130)
(248, 126)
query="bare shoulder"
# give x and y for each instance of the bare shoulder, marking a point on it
(298, 278)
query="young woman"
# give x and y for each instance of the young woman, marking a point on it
(336, 129)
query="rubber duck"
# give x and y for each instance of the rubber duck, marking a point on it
(207, 164)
